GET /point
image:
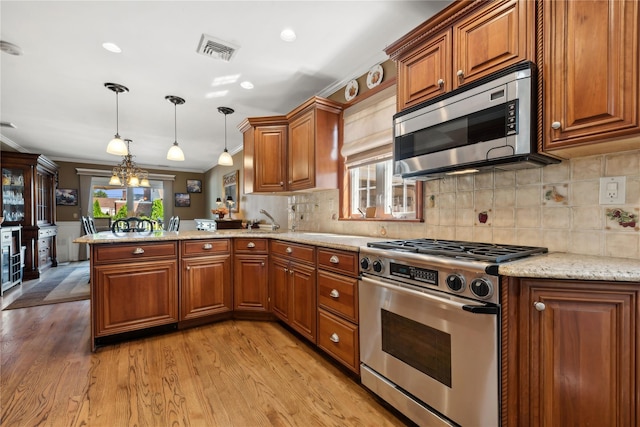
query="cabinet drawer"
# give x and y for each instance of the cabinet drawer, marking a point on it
(247, 245)
(338, 294)
(293, 251)
(134, 252)
(205, 247)
(338, 261)
(47, 232)
(339, 338)
(6, 238)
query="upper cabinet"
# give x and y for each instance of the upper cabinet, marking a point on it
(294, 152)
(464, 43)
(590, 76)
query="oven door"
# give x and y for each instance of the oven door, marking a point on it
(441, 349)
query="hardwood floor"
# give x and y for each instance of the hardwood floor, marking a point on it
(232, 373)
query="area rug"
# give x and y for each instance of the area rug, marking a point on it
(68, 282)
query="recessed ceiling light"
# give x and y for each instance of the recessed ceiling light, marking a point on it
(112, 47)
(288, 35)
(246, 85)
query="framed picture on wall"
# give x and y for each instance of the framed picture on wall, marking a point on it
(231, 191)
(183, 200)
(66, 197)
(194, 186)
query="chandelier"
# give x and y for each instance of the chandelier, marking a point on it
(128, 173)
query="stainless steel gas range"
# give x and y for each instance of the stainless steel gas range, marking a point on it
(430, 327)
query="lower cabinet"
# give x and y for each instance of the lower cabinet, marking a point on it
(293, 280)
(572, 354)
(338, 306)
(250, 277)
(133, 287)
(205, 285)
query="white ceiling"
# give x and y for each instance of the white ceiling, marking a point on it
(54, 93)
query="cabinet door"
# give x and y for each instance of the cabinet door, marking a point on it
(134, 296)
(270, 158)
(205, 286)
(425, 72)
(590, 74)
(302, 299)
(491, 39)
(301, 169)
(250, 285)
(580, 355)
(279, 274)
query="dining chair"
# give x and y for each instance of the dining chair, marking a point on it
(131, 225)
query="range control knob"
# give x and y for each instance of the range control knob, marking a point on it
(365, 264)
(482, 288)
(456, 282)
(378, 266)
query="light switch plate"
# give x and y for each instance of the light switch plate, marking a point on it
(612, 190)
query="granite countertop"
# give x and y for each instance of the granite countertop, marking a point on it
(336, 241)
(548, 266)
(558, 265)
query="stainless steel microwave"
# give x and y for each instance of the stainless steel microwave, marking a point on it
(488, 124)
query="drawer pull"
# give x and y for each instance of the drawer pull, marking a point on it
(207, 246)
(251, 245)
(334, 294)
(138, 251)
(335, 338)
(288, 250)
(539, 306)
(334, 259)
(286, 270)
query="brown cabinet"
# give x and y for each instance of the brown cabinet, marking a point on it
(293, 152)
(205, 280)
(265, 154)
(591, 76)
(28, 199)
(338, 306)
(464, 43)
(133, 287)
(573, 353)
(250, 276)
(293, 279)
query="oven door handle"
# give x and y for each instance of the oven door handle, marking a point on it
(427, 294)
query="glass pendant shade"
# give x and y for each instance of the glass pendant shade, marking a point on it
(225, 159)
(144, 182)
(175, 153)
(115, 180)
(117, 146)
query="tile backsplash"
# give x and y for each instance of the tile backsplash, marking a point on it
(556, 206)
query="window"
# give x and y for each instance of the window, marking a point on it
(121, 202)
(367, 149)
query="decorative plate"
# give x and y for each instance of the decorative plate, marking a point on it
(374, 77)
(351, 90)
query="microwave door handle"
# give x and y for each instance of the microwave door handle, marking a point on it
(426, 294)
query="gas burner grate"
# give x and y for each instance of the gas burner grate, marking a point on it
(459, 249)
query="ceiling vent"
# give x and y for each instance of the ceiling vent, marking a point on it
(216, 48)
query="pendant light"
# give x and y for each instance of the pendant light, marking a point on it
(117, 146)
(175, 152)
(225, 158)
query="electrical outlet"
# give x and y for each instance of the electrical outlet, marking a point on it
(612, 190)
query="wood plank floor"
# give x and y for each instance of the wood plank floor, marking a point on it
(232, 373)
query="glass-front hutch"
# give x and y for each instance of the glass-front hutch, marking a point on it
(28, 200)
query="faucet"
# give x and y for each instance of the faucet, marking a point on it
(274, 225)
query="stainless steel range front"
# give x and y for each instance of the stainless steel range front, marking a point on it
(429, 328)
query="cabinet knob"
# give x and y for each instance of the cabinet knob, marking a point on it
(251, 245)
(556, 125)
(138, 251)
(207, 246)
(441, 83)
(290, 182)
(334, 293)
(286, 270)
(288, 250)
(188, 267)
(335, 338)
(290, 271)
(334, 259)
(460, 74)
(262, 264)
(281, 184)
(539, 306)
